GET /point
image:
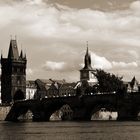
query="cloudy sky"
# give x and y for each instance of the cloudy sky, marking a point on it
(53, 33)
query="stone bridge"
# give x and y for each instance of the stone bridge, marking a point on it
(127, 106)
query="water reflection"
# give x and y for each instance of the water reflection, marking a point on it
(12, 131)
(93, 130)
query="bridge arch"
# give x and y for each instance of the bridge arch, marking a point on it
(20, 108)
(64, 113)
(97, 107)
(27, 115)
(65, 110)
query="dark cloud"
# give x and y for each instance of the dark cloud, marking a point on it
(95, 4)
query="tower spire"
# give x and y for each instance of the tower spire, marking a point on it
(87, 59)
(13, 50)
(25, 54)
(87, 44)
(87, 48)
(21, 54)
(1, 54)
(86, 73)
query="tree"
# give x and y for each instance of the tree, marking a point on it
(108, 82)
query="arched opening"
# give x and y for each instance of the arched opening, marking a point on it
(19, 95)
(104, 112)
(19, 113)
(138, 116)
(64, 113)
(26, 117)
(136, 111)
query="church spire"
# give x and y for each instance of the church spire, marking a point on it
(87, 72)
(87, 60)
(87, 48)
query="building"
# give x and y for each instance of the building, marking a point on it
(68, 89)
(54, 88)
(87, 72)
(42, 87)
(87, 76)
(133, 85)
(30, 89)
(48, 88)
(13, 77)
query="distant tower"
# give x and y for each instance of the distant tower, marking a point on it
(13, 78)
(87, 73)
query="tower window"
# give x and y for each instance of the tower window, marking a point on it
(18, 82)
(18, 69)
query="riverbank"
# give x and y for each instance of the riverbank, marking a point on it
(4, 111)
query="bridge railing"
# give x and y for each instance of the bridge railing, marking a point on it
(100, 93)
(87, 94)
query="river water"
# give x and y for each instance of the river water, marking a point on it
(94, 130)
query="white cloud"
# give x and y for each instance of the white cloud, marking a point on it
(55, 66)
(29, 72)
(135, 5)
(38, 2)
(100, 62)
(124, 65)
(133, 53)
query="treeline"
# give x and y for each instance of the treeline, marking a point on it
(108, 82)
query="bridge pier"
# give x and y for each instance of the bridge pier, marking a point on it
(81, 114)
(14, 113)
(39, 116)
(127, 110)
(11, 117)
(124, 115)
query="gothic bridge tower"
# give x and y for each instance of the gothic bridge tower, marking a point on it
(13, 78)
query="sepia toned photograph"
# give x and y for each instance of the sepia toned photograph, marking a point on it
(69, 69)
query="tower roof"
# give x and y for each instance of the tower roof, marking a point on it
(87, 61)
(13, 50)
(133, 81)
(21, 54)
